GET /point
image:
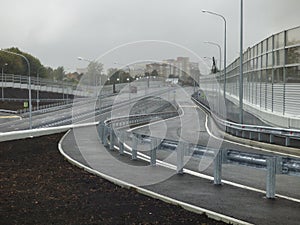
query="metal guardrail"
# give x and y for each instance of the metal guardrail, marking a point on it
(242, 129)
(273, 164)
(42, 84)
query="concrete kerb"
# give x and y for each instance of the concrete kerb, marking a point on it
(189, 207)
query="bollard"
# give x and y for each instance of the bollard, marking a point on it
(121, 144)
(111, 138)
(218, 168)
(271, 177)
(153, 151)
(134, 148)
(180, 157)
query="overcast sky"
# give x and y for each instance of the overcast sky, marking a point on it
(58, 31)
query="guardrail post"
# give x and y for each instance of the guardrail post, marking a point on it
(243, 134)
(111, 138)
(104, 140)
(121, 143)
(250, 135)
(180, 157)
(134, 148)
(259, 136)
(218, 168)
(271, 177)
(287, 141)
(154, 143)
(271, 138)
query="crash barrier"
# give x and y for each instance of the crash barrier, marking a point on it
(111, 137)
(254, 132)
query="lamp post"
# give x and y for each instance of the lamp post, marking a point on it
(129, 87)
(29, 84)
(241, 67)
(220, 52)
(37, 91)
(5, 64)
(216, 14)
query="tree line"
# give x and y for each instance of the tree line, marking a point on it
(13, 64)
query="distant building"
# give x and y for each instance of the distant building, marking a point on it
(183, 66)
(180, 67)
(82, 70)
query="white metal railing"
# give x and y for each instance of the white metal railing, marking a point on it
(42, 84)
(271, 74)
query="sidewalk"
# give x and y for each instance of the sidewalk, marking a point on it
(242, 204)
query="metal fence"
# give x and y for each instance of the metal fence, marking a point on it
(111, 136)
(271, 72)
(48, 85)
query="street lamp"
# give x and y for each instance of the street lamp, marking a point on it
(220, 52)
(129, 87)
(39, 86)
(29, 84)
(5, 64)
(241, 95)
(216, 14)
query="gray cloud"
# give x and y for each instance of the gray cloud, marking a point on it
(59, 31)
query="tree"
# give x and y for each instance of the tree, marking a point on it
(94, 71)
(154, 73)
(18, 65)
(59, 73)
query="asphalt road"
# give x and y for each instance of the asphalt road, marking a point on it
(192, 126)
(82, 110)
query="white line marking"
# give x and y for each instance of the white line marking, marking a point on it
(240, 144)
(189, 207)
(159, 121)
(204, 176)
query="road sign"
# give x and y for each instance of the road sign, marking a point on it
(25, 104)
